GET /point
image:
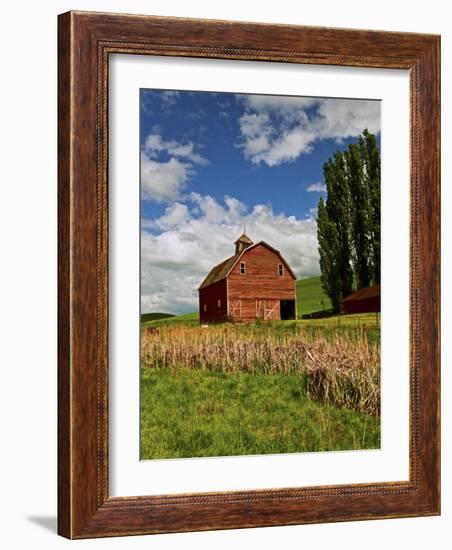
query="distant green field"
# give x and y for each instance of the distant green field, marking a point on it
(310, 295)
(154, 316)
(186, 318)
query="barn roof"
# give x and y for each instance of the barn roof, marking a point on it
(222, 270)
(364, 293)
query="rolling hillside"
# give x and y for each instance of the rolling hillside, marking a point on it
(310, 295)
(145, 317)
(186, 318)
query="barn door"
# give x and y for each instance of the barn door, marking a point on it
(259, 309)
(267, 310)
(235, 309)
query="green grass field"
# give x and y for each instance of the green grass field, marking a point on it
(368, 321)
(195, 412)
(200, 413)
(310, 296)
(186, 319)
(155, 316)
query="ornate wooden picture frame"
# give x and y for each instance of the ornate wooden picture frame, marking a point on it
(86, 41)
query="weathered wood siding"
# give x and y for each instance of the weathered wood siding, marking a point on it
(209, 297)
(255, 294)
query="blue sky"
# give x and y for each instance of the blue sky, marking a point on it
(211, 162)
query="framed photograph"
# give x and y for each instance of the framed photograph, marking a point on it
(248, 275)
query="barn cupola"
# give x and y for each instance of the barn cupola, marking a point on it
(241, 243)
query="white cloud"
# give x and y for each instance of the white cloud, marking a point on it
(316, 188)
(265, 103)
(277, 129)
(163, 181)
(287, 147)
(154, 144)
(175, 215)
(169, 97)
(256, 129)
(193, 240)
(343, 118)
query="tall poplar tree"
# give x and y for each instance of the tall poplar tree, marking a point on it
(329, 252)
(348, 222)
(360, 216)
(338, 211)
(372, 167)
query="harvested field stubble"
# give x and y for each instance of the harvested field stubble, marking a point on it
(339, 367)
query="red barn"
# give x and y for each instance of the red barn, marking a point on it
(364, 300)
(255, 283)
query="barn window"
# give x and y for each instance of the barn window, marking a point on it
(219, 303)
(242, 267)
(205, 307)
(280, 270)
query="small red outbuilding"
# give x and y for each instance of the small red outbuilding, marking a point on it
(364, 300)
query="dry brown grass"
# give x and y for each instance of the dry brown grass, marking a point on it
(340, 368)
